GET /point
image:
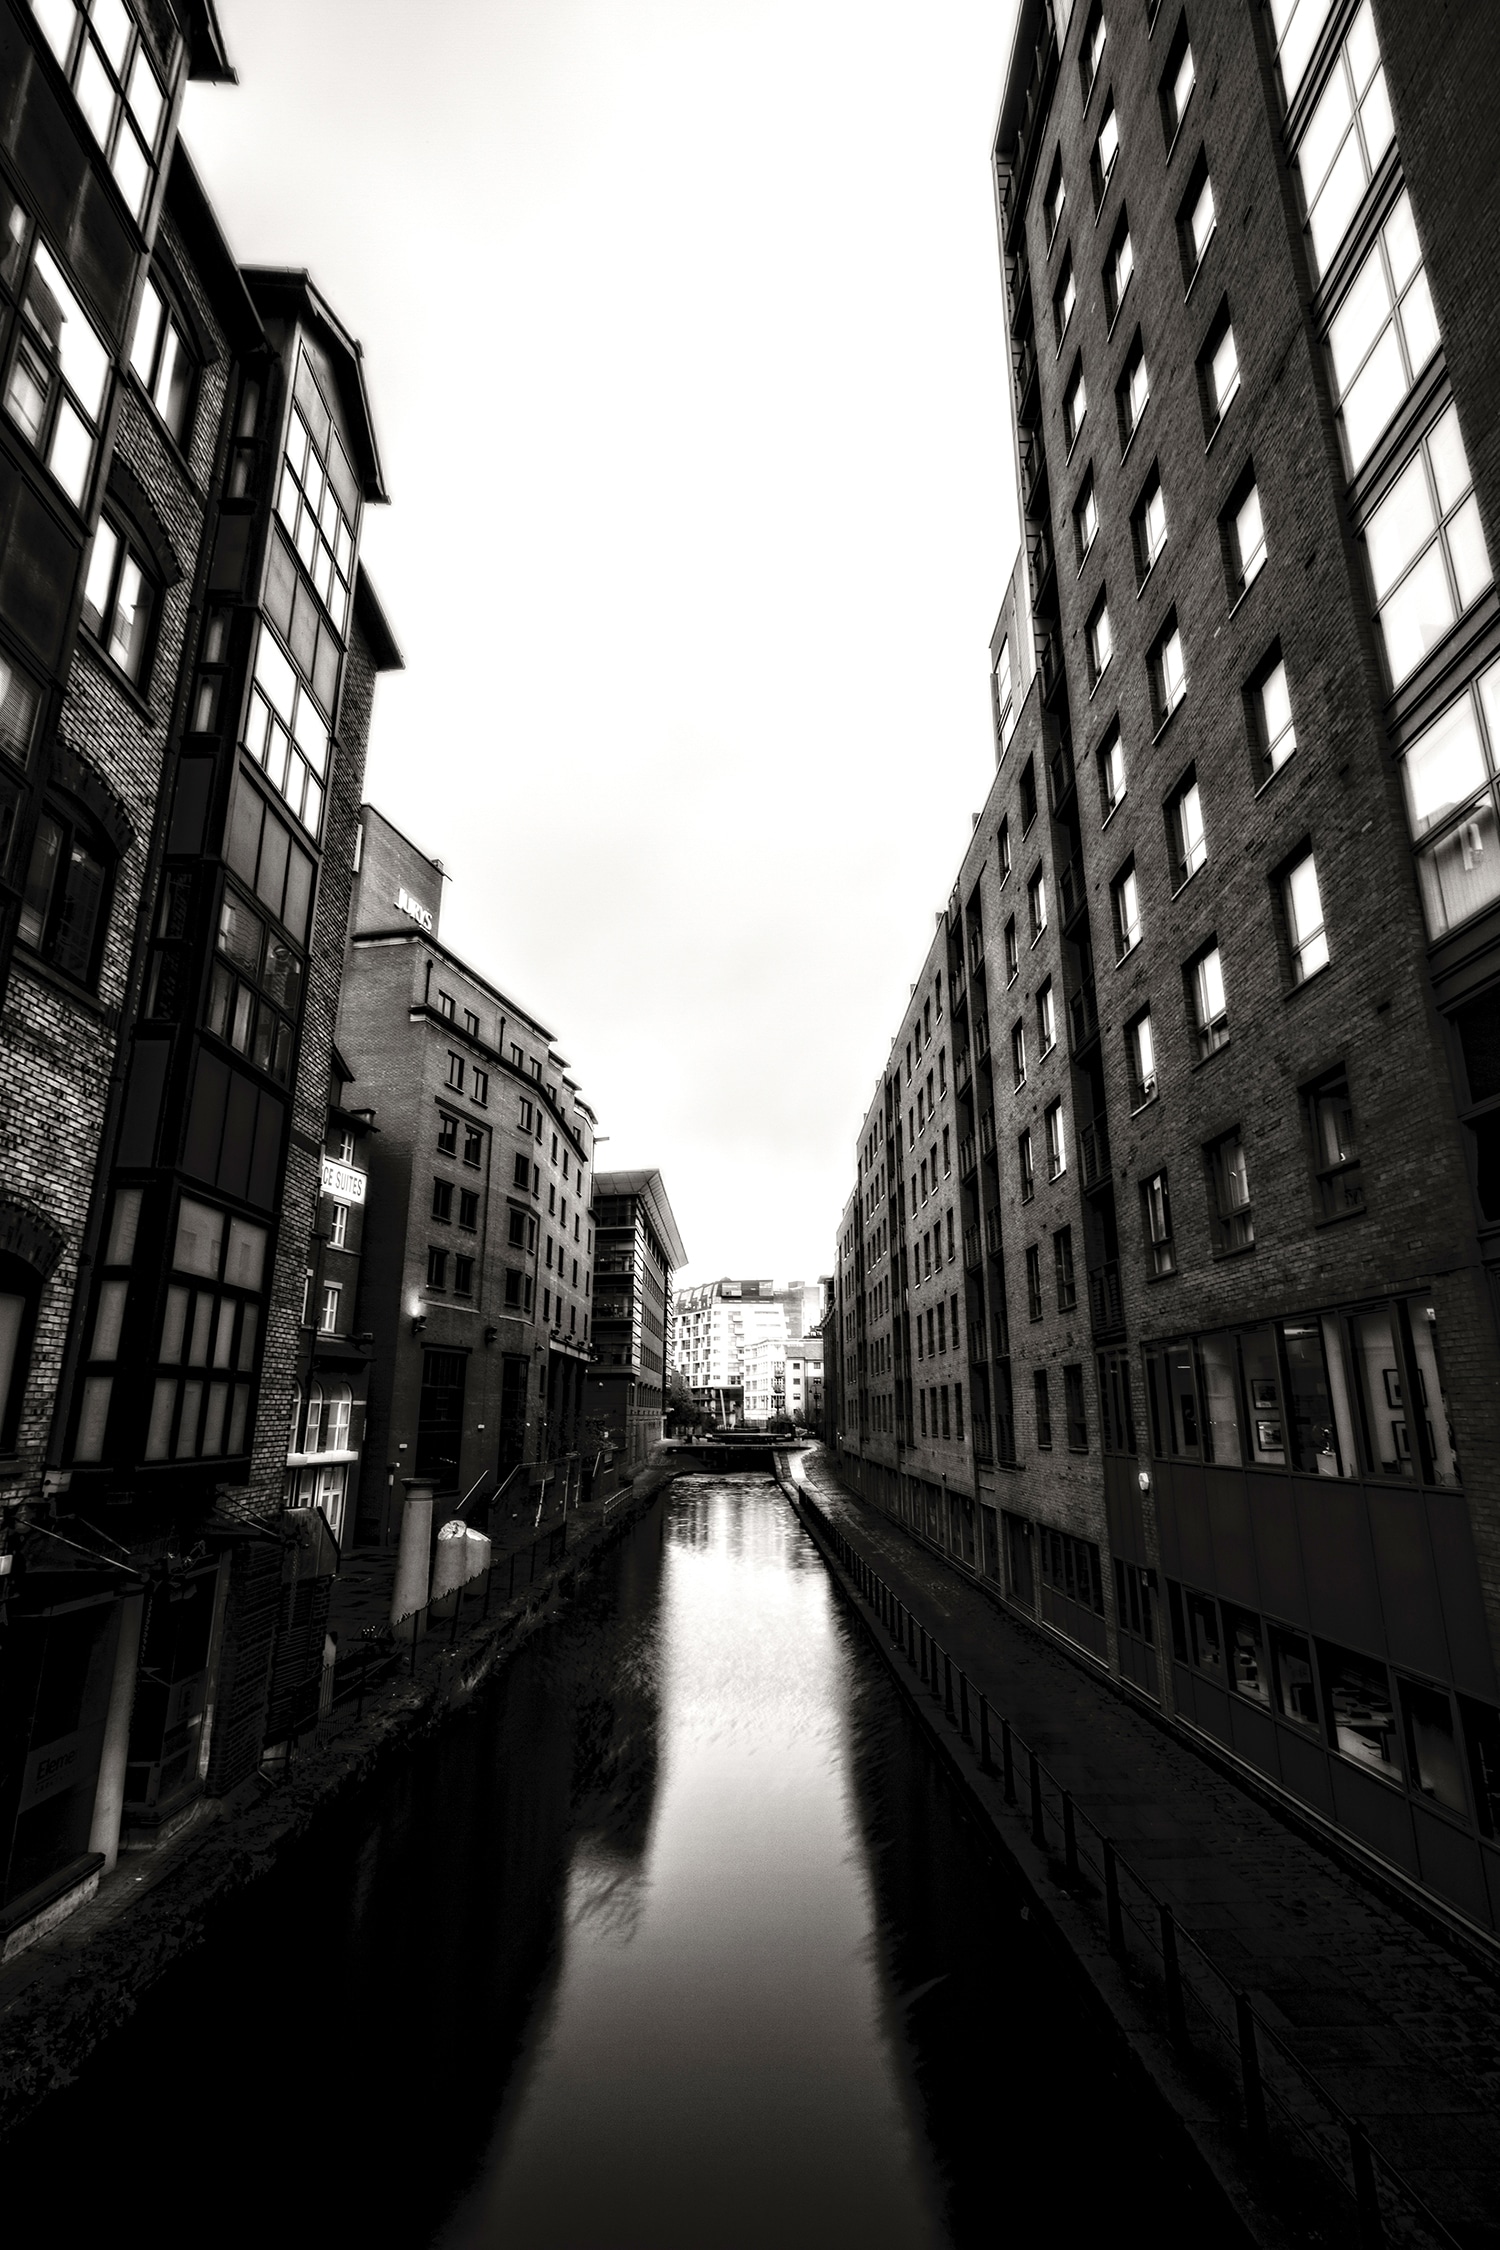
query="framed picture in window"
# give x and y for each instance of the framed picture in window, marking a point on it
(1392, 1382)
(1401, 1441)
(1263, 1396)
(1268, 1436)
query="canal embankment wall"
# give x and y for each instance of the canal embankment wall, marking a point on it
(66, 1995)
(1334, 2065)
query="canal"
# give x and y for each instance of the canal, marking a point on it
(677, 1939)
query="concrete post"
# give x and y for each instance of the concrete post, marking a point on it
(414, 1555)
(109, 1791)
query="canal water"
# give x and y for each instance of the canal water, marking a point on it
(677, 1939)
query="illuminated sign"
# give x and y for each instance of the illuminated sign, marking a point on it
(342, 1182)
(420, 914)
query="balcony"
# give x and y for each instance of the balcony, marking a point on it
(1072, 891)
(1042, 558)
(992, 1231)
(968, 1158)
(1060, 776)
(972, 1250)
(981, 1032)
(987, 1133)
(1028, 398)
(1033, 472)
(962, 1074)
(1019, 279)
(1093, 1153)
(1021, 155)
(1106, 1305)
(1083, 1018)
(1049, 661)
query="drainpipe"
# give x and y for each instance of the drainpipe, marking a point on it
(109, 1791)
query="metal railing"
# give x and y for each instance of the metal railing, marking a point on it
(1284, 2106)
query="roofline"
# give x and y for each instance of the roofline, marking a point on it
(188, 200)
(647, 1182)
(1013, 86)
(208, 57)
(409, 935)
(296, 283)
(410, 841)
(367, 608)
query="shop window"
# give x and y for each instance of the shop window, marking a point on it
(1361, 1716)
(66, 893)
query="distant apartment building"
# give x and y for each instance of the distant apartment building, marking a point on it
(637, 1251)
(188, 655)
(765, 1373)
(804, 1382)
(713, 1323)
(1166, 1293)
(476, 1274)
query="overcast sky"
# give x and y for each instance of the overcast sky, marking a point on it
(683, 329)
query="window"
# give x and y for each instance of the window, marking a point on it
(525, 1105)
(1433, 1761)
(1168, 672)
(445, 1006)
(1018, 1053)
(1028, 794)
(1111, 757)
(442, 1199)
(513, 1282)
(1077, 1417)
(1036, 901)
(1012, 951)
(1046, 1020)
(1244, 538)
(1450, 806)
(1100, 641)
(1195, 220)
(253, 989)
(164, 363)
(1268, 713)
(328, 1315)
(522, 1172)
(1357, 1700)
(1118, 268)
(463, 1277)
(471, 1023)
(1043, 1408)
(1307, 940)
(318, 497)
(1230, 1177)
(1002, 690)
(1297, 24)
(19, 700)
(516, 1229)
(1428, 560)
(1187, 846)
(479, 1086)
(1149, 526)
(65, 897)
(1091, 51)
(284, 733)
(1330, 1117)
(1075, 405)
(1034, 1282)
(437, 1269)
(1131, 393)
(1055, 199)
(1125, 903)
(1156, 1215)
(468, 1209)
(119, 601)
(1064, 298)
(1382, 335)
(1207, 1010)
(1057, 1150)
(1218, 372)
(58, 377)
(1085, 519)
(1177, 83)
(1140, 1057)
(1028, 1173)
(456, 1072)
(473, 1145)
(209, 1323)
(1003, 848)
(1062, 1269)
(1347, 135)
(338, 1229)
(106, 62)
(447, 1139)
(1106, 150)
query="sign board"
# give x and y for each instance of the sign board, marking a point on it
(342, 1182)
(420, 914)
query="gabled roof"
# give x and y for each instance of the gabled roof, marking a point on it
(291, 292)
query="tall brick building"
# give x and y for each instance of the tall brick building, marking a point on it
(188, 651)
(1166, 1295)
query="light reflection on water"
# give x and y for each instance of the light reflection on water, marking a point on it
(714, 2065)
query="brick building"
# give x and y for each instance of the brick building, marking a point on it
(1167, 1292)
(477, 1249)
(637, 1253)
(188, 647)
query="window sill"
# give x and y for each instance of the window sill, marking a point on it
(1188, 880)
(1071, 446)
(60, 982)
(1222, 417)
(1150, 571)
(1342, 1218)
(1167, 721)
(1152, 1279)
(1247, 588)
(1135, 431)
(1113, 809)
(1128, 954)
(1139, 1109)
(1176, 135)
(1271, 776)
(1212, 1056)
(1112, 320)
(120, 681)
(1293, 991)
(1103, 675)
(1087, 551)
(1240, 1250)
(1192, 281)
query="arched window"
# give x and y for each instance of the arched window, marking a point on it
(336, 1412)
(312, 1438)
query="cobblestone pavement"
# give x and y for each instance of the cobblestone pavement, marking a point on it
(1402, 2031)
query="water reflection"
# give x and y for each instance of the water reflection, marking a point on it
(714, 2065)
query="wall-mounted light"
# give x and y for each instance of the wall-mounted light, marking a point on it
(490, 1334)
(1143, 1479)
(418, 1323)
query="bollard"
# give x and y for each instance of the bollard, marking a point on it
(1038, 1825)
(1255, 2096)
(1112, 1902)
(1172, 1973)
(1070, 1838)
(963, 1708)
(1008, 1755)
(1366, 2196)
(986, 1762)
